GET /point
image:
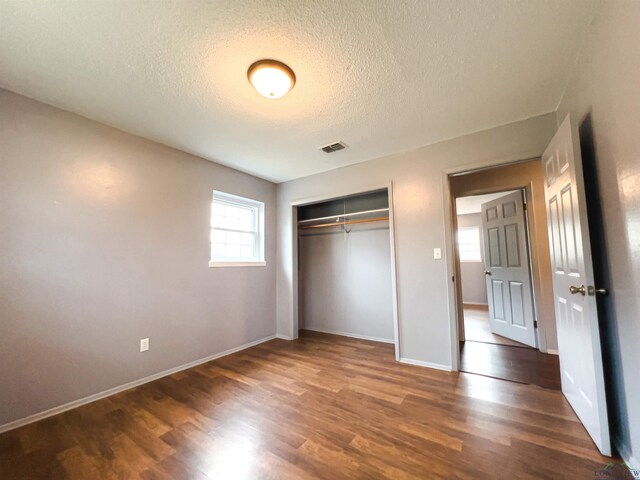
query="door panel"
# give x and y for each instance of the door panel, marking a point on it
(492, 213)
(498, 299)
(577, 319)
(509, 210)
(512, 244)
(511, 311)
(493, 241)
(517, 303)
(555, 242)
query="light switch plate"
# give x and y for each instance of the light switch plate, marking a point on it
(144, 344)
(437, 253)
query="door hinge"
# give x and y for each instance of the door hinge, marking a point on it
(453, 279)
(524, 207)
(535, 324)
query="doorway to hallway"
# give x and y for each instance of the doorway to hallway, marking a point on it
(506, 324)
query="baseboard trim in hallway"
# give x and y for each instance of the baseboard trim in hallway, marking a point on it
(121, 388)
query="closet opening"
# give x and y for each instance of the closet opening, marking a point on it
(346, 267)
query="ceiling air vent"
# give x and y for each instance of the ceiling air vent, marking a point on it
(334, 147)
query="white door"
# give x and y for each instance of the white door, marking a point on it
(507, 271)
(574, 293)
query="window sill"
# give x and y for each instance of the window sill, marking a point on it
(236, 264)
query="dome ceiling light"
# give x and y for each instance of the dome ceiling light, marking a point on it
(271, 78)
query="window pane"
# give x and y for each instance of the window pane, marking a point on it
(233, 251)
(218, 236)
(218, 209)
(218, 250)
(217, 221)
(469, 244)
(245, 224)
(233, 238)
(246, 239)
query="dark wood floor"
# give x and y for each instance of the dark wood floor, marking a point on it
(485, 353)
(516, 364)
(319, 407)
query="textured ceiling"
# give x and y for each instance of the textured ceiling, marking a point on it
(383, 76)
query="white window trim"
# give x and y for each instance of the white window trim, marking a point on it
(259, 235)
(221, 263)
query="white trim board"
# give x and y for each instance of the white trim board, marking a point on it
(420, 363)
(112, 391)
(352, 335)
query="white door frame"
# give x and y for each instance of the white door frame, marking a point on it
(294, 204)
(452, 252)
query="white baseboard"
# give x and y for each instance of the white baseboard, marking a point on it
(626, 454)
(112, 391)
(283, 337)
(352, 335)
(420, 363)
(552, 351)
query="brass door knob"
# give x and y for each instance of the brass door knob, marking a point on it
(581, 290)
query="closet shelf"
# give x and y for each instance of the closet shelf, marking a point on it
(347, 222)
(366, 212)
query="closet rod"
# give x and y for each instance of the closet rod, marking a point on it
(348, 222)
(366, 212)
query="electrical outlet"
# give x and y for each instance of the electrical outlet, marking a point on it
(144, 344)
(437, 253)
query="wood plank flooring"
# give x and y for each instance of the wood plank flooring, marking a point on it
(322, 406)
(478, 329)
(486, 353)
(516, 364)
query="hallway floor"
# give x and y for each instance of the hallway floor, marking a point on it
(485, 353)
(476, 327)
(523, 365)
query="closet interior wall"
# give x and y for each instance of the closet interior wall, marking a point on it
(345, 267)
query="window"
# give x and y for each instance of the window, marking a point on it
(469, 244)
(237, 231)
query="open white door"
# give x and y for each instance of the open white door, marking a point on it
(507, 269)
(574, 293)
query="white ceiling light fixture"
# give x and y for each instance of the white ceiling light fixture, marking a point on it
(271, 78)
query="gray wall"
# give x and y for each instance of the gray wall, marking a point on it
(345, 281)
(474, 287)
(418, 201)
(603, 96)
(104, 240)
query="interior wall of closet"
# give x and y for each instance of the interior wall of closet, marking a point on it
(345, 267)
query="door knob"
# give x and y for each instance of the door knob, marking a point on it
(581, 290)
(487, 272)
